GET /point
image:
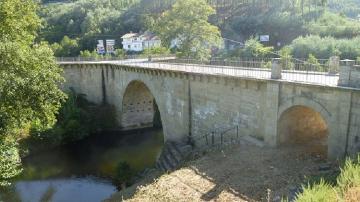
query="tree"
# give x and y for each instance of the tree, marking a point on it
(253, 49)
(67, 47)
(30, 78)
(187, 21)
(18, 20)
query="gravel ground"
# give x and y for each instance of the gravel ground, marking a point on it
(237, 173)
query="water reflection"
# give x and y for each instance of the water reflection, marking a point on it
(67, 173)
(65, 190)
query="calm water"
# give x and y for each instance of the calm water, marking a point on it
(81, 171)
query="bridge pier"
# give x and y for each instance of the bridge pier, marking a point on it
(271, 113)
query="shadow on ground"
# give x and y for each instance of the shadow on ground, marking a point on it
(238, 173)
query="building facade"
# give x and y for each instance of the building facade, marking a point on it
(139, 42)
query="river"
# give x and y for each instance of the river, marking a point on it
(81, 171)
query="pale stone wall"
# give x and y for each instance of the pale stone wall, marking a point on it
(355, 76)
(220, 104)
(354, 129)
(194, 104)
(108, 83)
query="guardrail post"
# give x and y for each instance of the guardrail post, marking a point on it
(345, 72)
(334, 64)
(276, 69)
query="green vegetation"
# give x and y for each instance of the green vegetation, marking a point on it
(156, 51)
(346, 188)
(124, 173)
(252, 49)
(77, 119)
(188, 21)
(325, 47)
(29, 85)
(86, 21)
(335, 25)
(67, 47)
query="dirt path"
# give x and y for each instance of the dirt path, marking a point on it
(239, 173)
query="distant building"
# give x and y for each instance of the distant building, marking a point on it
(139, 42)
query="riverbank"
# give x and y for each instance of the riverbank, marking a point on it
(94, 164)
(237, 173)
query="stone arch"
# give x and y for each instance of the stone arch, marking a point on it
(139, 106)
(305, 122)
(304, 101)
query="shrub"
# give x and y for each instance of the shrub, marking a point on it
(314, 63)
(322, 192)
(77, 119)
(350, 175)
(156, 51)
(347, 187)
(124, 173)
(120, 53)
(254, 49)
(286, 58)
(90, 54)
(325, 47)
(10, 163)
(67, 47)
(333, 24)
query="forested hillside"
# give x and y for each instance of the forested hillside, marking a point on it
(85, 21)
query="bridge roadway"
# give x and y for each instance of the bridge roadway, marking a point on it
(317, 78)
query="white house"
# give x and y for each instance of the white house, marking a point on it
(138, 42)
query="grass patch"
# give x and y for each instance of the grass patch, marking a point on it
(346, 187)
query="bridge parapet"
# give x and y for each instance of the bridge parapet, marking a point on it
(349, 74)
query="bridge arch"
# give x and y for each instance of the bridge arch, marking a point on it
(304, 122)
(139, 106)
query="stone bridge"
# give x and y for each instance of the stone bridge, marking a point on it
(191, 102)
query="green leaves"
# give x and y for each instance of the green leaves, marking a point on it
(87, 20)
(30, 86)
(18, 21)
(29, 81)
(187, 21)
(9, 162)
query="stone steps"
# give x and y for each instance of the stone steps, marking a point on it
(172, 156)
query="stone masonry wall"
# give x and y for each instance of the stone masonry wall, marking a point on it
(221, 104)
(108, 83)
(194, 104)
(354, 130)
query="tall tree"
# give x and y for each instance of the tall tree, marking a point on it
(187, 21)
(29, 80)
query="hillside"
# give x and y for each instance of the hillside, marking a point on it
(283, 20)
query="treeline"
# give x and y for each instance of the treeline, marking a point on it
(86, 21)
(325, 47)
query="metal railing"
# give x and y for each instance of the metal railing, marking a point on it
(112, 58)
(321, 72)
(240, 68)
(218, 137)
(294, 70)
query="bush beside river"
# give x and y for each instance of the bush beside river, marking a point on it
(77, 119)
